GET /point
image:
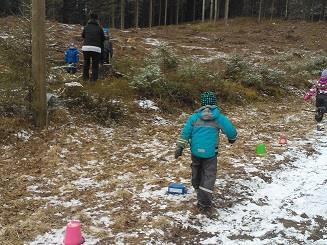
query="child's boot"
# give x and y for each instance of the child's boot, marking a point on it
(320, 127)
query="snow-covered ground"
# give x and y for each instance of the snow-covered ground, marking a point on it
(286, 211)
(289, 209)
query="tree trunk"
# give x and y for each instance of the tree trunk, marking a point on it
(216, 8)
(211, 10)
(137, 9)
(150, 13)
(166, 6)
(38, 63)
(159, 15)
(122, 14)
(286, 9)
(194, 10)
(177, 11)
(312, 10)
(264, 9)
(66, 11)
(171, 15)
(203, 9)
(322, 13)
(113, 17)
(272, 8)
(260, 11)
(226, 11)
(182, 13)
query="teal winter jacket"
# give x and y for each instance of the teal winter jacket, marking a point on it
(202, 130)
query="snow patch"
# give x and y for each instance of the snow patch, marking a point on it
(197, 47)
(160, 121)
(56, 236)
(213, 56)
(73, 84)
(24, 135)
(85, 183)
(152, 41)
(295, 195)
(147, 104)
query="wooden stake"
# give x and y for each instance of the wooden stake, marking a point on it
(38, 63)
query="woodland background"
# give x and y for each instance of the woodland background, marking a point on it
(145, 13)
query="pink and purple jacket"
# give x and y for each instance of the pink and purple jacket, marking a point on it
(320, 87)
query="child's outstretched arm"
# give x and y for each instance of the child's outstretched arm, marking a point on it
(312, 91)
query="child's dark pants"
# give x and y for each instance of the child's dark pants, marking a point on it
(321, 104)
(204, 172)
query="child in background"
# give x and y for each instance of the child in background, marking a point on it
(107, 51)
(71, 58)
(319, 89)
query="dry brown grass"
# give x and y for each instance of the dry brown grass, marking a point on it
(124, 151)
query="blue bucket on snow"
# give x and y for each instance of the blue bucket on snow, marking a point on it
(177, 188)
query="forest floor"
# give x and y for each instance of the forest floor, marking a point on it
(114, 179)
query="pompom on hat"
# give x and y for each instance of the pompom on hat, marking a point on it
(208, 98)
(324, 73)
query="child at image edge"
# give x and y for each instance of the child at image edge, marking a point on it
(319, 89)
(201, 131)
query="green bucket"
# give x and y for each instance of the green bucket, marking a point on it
(261, 149)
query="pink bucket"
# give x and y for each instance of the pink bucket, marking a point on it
(283, 140)
(73, 235)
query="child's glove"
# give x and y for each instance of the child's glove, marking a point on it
(178, 151)
(306, 97)
(231, 141)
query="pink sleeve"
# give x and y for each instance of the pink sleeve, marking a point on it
(306, 97)
(312, 91)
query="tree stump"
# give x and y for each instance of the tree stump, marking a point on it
(73, 89)
(106, 70)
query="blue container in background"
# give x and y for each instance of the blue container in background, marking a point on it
(106, 30)
(177, 188)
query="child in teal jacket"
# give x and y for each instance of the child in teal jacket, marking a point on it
(202, 131)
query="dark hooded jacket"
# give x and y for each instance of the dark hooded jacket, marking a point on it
(93, 34)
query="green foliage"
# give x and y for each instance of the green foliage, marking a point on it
(104, 110)
(313, 65)
(150, 80)
(192, 70)
(317, 64)
(106, 102)
(124, 64)
(243, 81)
(253, 79)
(259, 76)
(237, 67)
(144, 78)
(298, 72)
(164, 56)
(272, 76)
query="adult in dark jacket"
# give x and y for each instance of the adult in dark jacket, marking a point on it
(93, 42)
